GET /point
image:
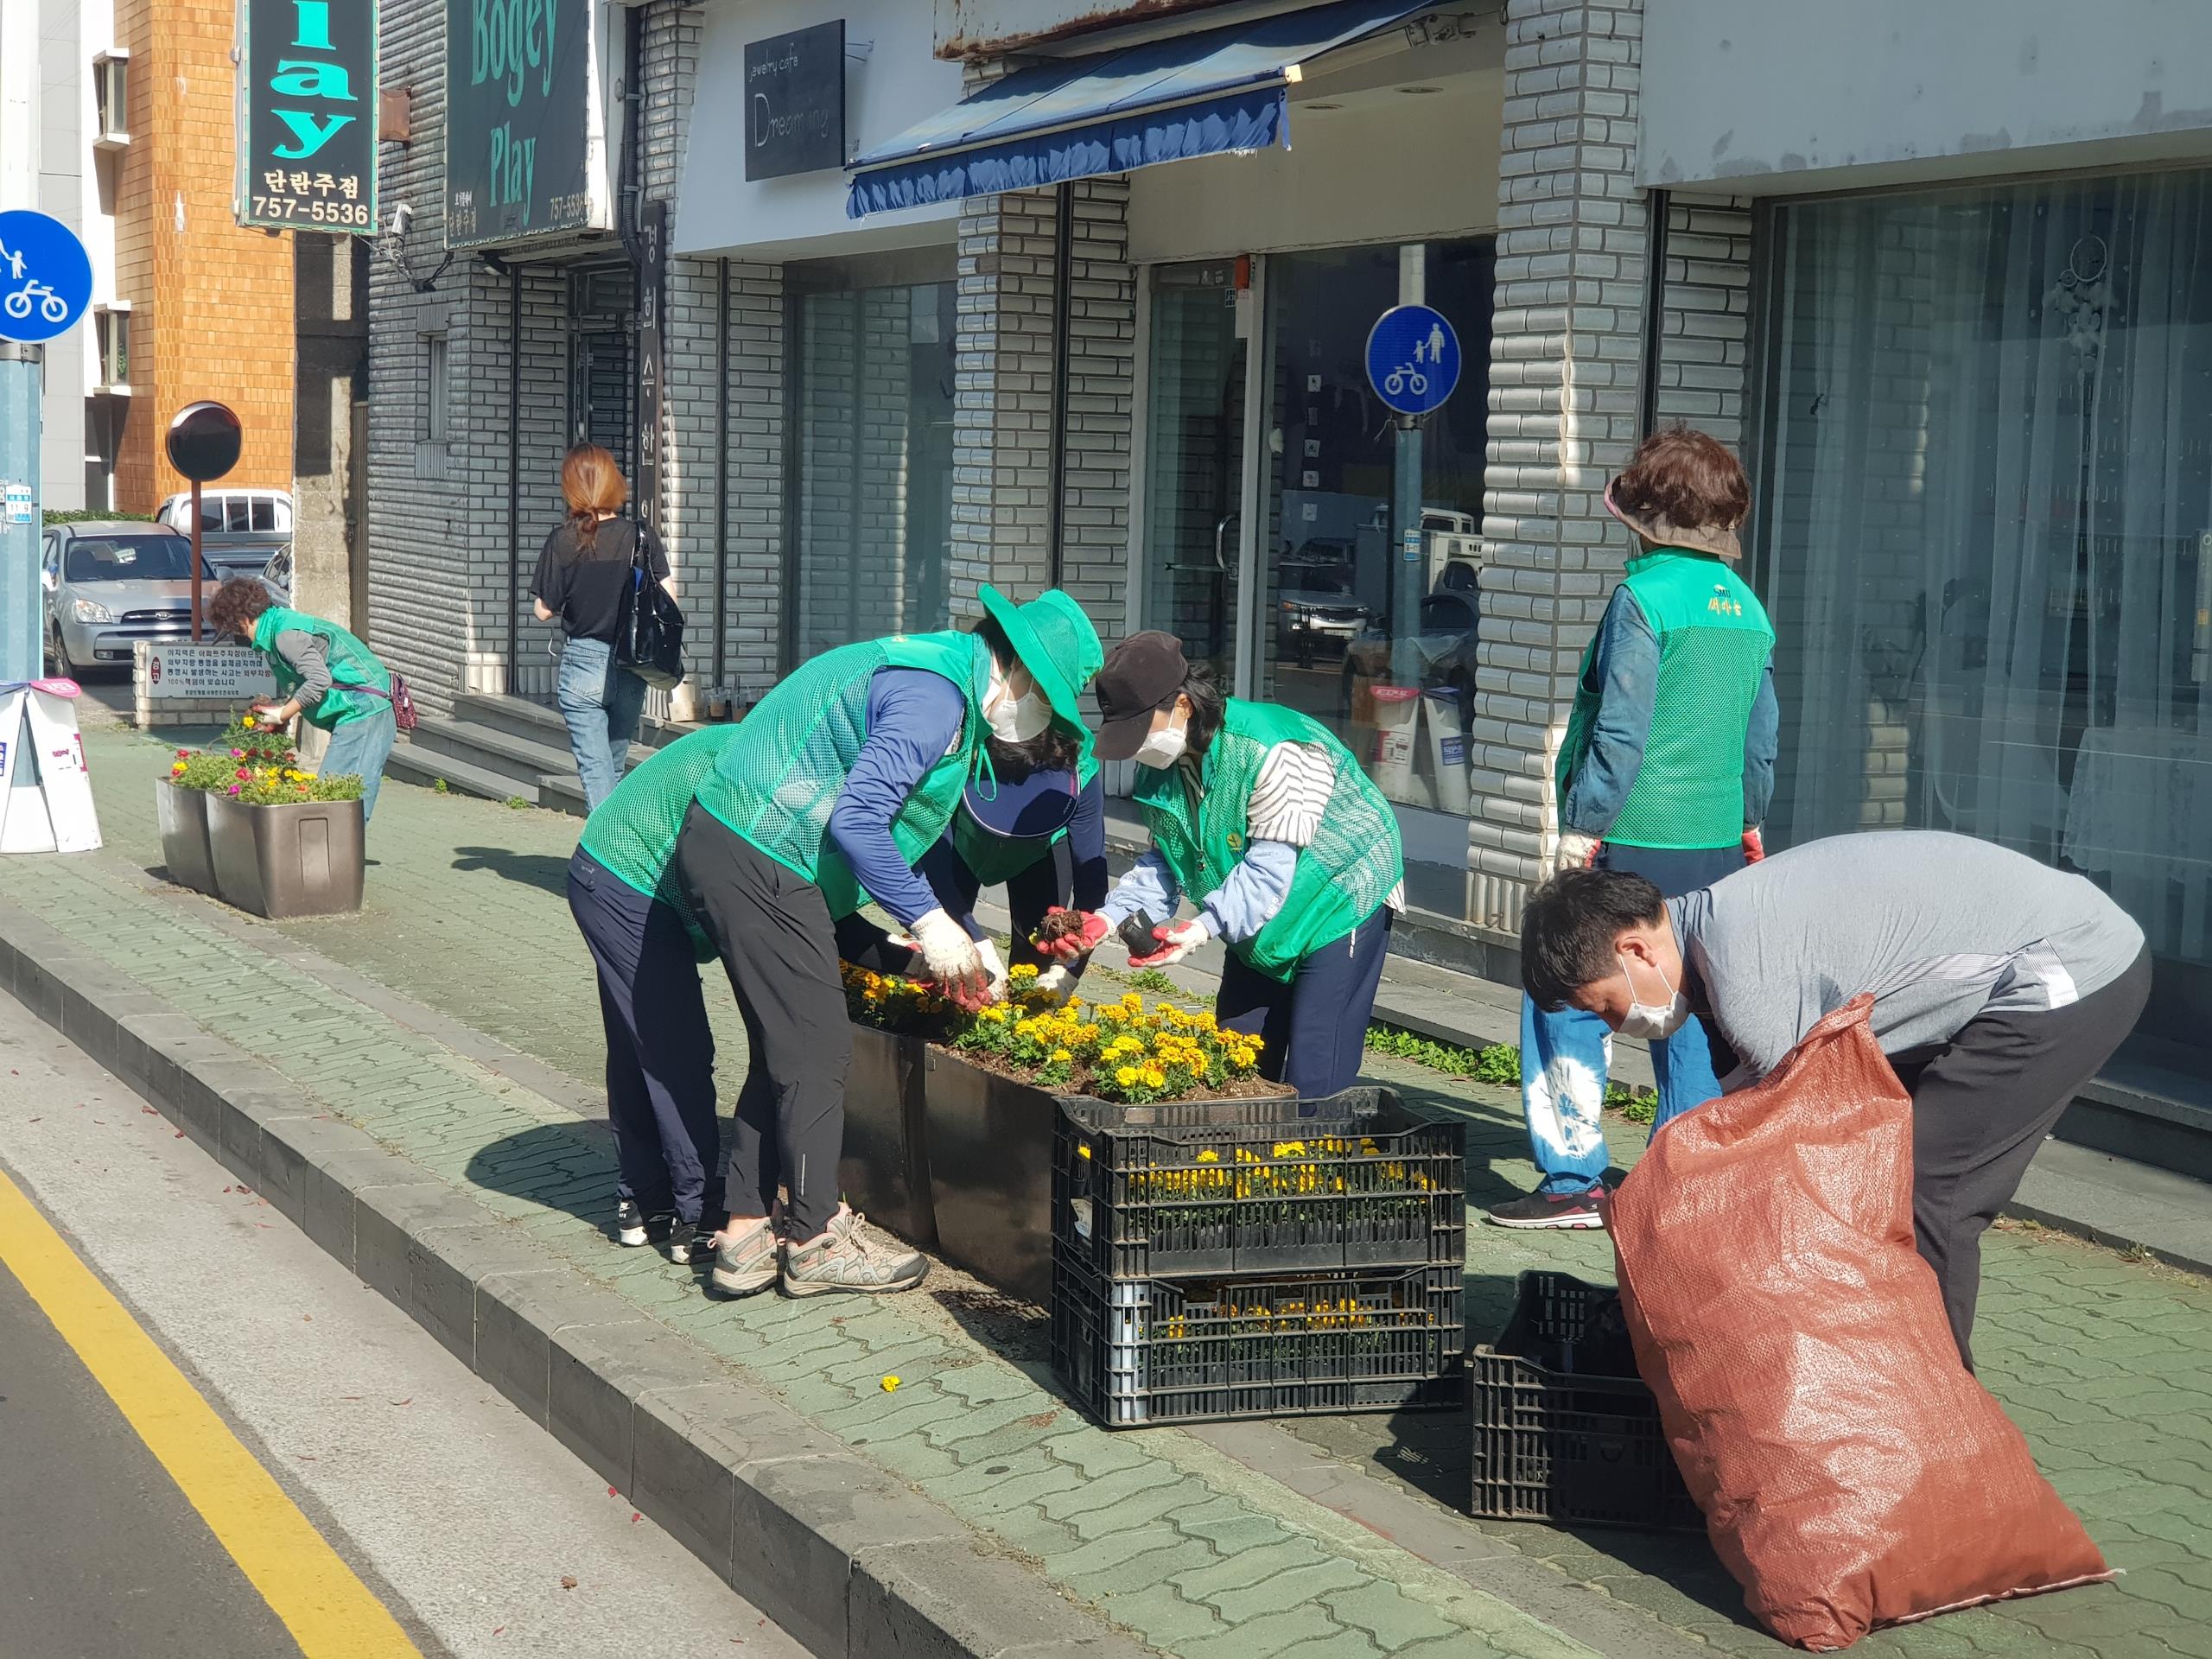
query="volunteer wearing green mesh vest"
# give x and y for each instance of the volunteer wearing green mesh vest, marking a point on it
(1290, 853)
(647, 949)
(1665, 773)
(839, 781)
(323, 674)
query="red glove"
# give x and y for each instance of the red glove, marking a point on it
(1754, 849)
(1177, 941)
(1068, 943)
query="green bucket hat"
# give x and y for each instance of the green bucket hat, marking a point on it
(1056, 643)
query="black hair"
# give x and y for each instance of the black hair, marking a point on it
(987, 629)
(1570, 931)
(1209, 704)
(1054, 749)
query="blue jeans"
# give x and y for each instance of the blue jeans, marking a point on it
(361, 747)
(1565, 1056)
(601, 704)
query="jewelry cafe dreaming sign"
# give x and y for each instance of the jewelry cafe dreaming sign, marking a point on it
(524, 134)
(307, 115)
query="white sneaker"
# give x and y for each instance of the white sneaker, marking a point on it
(846, 1259)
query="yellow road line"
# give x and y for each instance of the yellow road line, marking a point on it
(328, 1611)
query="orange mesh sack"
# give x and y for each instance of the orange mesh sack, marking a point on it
(1852, 1473)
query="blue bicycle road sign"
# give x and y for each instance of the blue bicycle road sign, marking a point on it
(46, 281)
(1413, 358)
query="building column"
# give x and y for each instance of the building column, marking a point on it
(1566, 345)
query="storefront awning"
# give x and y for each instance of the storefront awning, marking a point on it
(1202, 94)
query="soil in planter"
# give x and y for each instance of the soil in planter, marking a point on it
(1082, 1082)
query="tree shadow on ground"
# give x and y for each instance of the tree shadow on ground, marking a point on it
(544, 871)
(564, 1166)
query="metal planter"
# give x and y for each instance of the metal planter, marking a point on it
(303, 858)
(182, 814)
(989, 1141)
(885, 1169)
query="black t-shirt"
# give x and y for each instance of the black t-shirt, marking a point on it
(583, 586)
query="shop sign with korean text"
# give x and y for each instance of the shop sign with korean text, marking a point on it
(307, 115)
(523, 128)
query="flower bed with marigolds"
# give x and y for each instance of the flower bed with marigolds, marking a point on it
(256, 765)
(1131, 1051)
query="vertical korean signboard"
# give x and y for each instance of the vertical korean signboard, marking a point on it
(520, 120)
(307, 115)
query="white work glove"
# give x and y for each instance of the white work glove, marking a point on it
(1177, 941)
(952, 959)
(1057, 983)
(988, 949)
(1576, 850)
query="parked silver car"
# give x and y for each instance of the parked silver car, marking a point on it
(110, 584)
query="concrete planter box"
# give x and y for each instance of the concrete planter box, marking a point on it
(182, 814)
(953, 1159)
(300, 858)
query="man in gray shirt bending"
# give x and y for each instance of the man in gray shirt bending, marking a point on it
(2000, 986)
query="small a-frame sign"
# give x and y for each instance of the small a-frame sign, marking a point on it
(46, 787)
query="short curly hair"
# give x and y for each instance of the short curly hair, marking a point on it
(238, 605)
(1687, 478)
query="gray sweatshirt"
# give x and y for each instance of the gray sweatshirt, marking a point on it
(1940, 927)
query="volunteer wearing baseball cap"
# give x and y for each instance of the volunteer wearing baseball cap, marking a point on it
(836, 783)
(1290, 853)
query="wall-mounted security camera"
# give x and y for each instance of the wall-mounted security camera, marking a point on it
(402, 217)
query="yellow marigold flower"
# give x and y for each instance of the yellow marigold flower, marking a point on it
(1155, 1077)
(1060, 1056)
(1126, 1076)
(1022, 973)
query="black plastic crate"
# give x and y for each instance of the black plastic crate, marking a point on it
(1554, 1443)
(1135, 1352)
(1201, 1188)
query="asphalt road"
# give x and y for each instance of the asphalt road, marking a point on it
(410, 1479)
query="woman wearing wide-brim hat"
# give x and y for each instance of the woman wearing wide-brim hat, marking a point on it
(1265, 820)
(838, 783)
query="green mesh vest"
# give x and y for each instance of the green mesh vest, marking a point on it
(1714, 640)
(776, 783)
(1343, 877)
(993, 858)
(632, 832)
(352, 662)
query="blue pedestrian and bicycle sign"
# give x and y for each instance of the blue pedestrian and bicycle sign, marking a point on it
(46, 281)
(1413, 358)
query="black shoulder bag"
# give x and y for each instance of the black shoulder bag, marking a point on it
(649, 628)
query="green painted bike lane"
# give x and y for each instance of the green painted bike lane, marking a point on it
(2103, 1361)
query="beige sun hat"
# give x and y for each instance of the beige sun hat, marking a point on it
(1721, 541)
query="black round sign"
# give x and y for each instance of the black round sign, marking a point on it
(204, 441)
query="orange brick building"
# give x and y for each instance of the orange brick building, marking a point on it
(211, 304)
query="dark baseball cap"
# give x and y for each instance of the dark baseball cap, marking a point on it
(1141, 677)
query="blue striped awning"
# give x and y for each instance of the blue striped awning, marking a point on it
(1202, 94)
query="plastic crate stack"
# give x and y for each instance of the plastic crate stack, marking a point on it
(1261, 1258)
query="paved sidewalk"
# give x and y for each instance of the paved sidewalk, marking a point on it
(455, 1020)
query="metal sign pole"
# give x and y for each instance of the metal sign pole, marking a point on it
(23, 598)
(195, 561)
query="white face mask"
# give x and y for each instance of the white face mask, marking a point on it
(1016, 720)
(1653, 1022)
(1165, 747)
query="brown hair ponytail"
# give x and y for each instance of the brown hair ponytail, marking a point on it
(592, 485)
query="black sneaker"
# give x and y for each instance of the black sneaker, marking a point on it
(633, 1227)
(690, 1241)
(1584, 1210)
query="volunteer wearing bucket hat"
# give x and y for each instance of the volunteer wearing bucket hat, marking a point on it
(838, 781)
(1666, 770)
(1290, 853)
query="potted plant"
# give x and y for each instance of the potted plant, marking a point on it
(180, 809)
(283, 843)
(950, 1116)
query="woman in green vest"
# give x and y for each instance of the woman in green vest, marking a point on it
(323, 674)
(1292, 856)
(839, 781)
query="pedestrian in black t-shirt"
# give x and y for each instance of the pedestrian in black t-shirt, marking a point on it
(582, 574)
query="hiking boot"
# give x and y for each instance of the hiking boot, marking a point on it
(745, 1258)
(845, 1259)
(1585, 1209)
(633, 1227)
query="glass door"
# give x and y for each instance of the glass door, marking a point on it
(1194, 461)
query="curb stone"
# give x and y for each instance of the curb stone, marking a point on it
(853, 1564)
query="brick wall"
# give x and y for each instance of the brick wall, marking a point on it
(211, 304)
